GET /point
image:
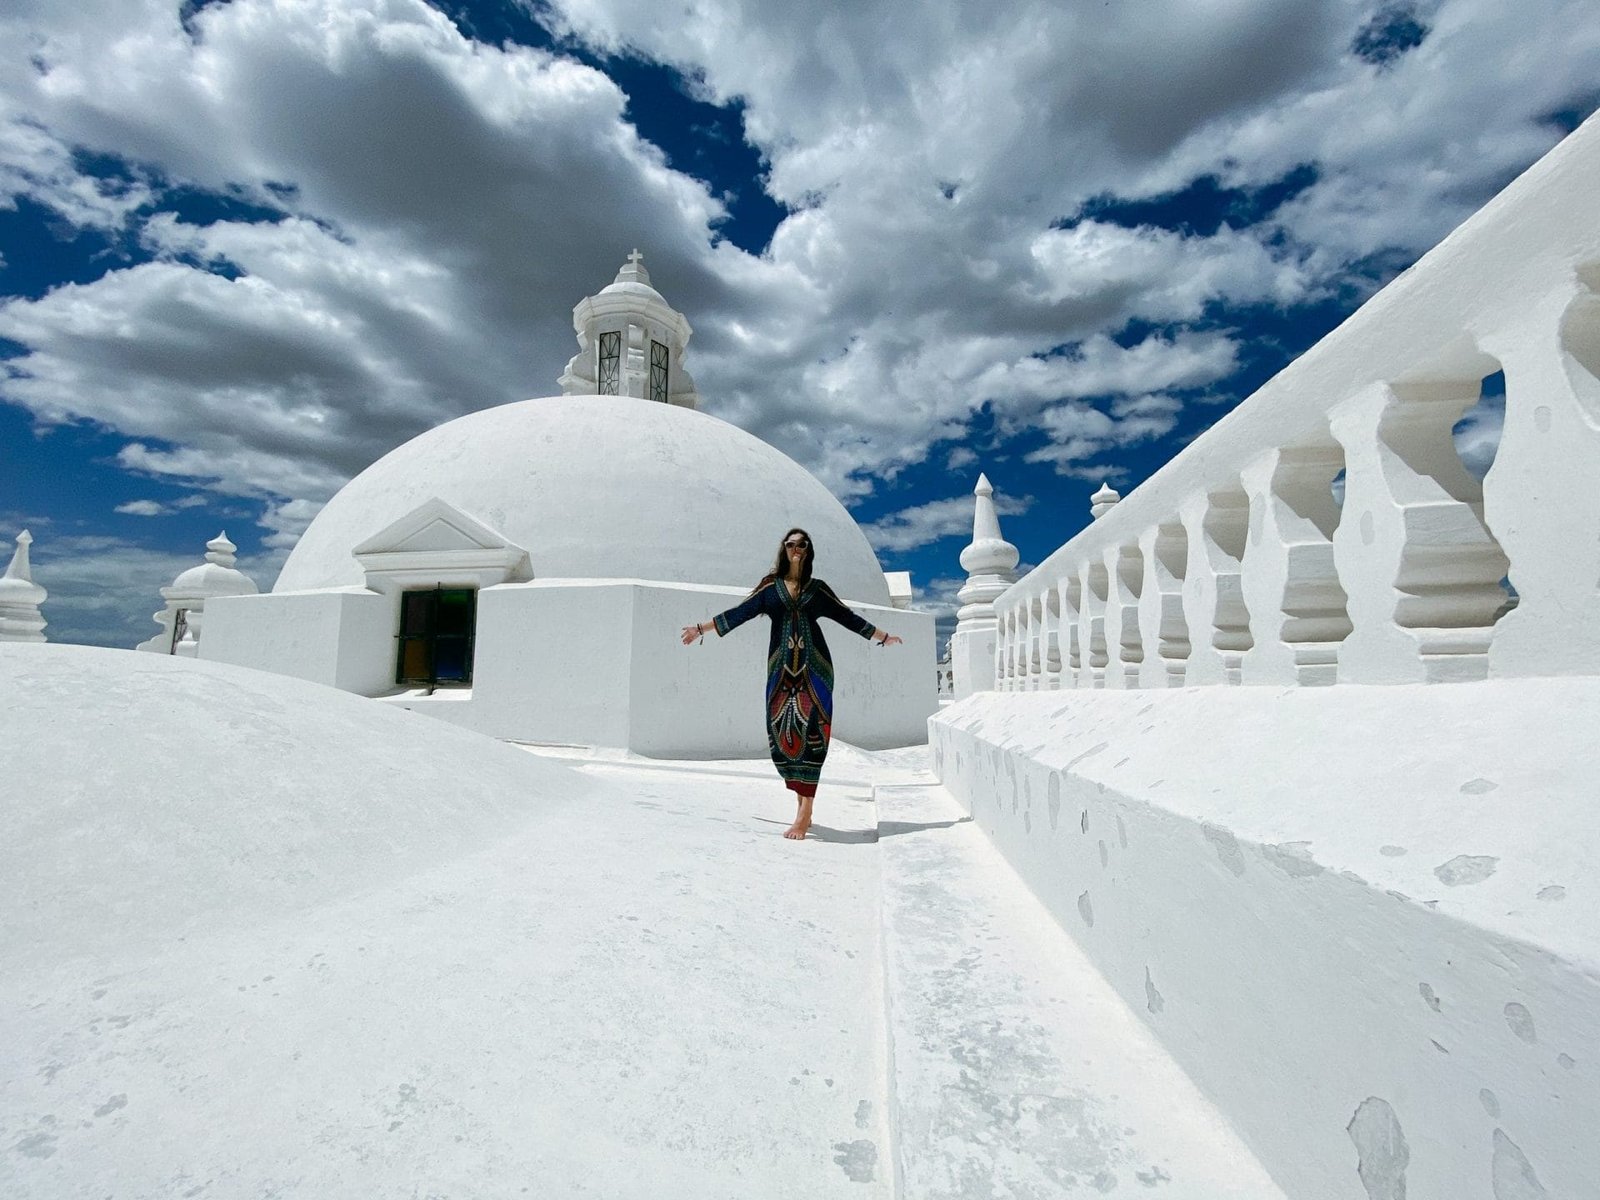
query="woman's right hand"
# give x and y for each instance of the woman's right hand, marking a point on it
(692, 633)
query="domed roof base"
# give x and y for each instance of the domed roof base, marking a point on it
(599, 487)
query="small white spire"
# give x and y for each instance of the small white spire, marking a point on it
(220, 550)
(20, 567)
(20, 597)
(1103, 501)
(989, 552)
(990, 563)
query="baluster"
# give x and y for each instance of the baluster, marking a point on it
(1420, 571)
(1052, 643)
(1018, 648)
(1035, 644)
(1093, 622)
(1071, 618)
(1213, 603)
(1290, 583)
(1542, 495)
(1002, 660)
(1161, 621)
(1125, 572)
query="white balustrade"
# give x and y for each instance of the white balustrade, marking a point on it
(1239, 563)
(1161, 621)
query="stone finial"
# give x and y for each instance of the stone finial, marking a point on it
(20, 598)
(989, 552)
(1103, 501)
(990, 563)
(220, 550)
(183, 614)
(20, 568)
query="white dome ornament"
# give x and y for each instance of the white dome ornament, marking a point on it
(20, 598)
(990, 562)
(186, 597)
(1103, 501)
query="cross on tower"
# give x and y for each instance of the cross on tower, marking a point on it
(635, 258)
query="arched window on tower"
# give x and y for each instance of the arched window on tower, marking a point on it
(610, 373)
(658, 372)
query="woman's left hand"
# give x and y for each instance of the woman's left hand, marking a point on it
(889, 639)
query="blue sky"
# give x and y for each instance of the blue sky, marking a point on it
(247, 247)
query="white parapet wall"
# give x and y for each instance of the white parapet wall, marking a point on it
(1236, 562)
(1362, 918)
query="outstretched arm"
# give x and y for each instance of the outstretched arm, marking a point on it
(725, 623)
(830, 606)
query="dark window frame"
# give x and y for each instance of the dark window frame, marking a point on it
(608, 373)
(430, 637)
(660, 371)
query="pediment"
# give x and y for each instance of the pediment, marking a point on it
(437, 541)
(435, 526)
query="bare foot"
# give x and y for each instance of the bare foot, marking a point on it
(802, 819)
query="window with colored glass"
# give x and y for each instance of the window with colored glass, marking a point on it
(436, 636)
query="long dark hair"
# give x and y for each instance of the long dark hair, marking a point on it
(780, 569)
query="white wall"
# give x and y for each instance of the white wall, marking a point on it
(590, 662)
(1362, 918)
(343, 638)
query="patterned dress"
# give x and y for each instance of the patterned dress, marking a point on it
(799, 672)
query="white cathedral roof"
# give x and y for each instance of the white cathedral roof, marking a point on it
(600, 487)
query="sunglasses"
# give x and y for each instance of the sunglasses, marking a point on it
(797, 544)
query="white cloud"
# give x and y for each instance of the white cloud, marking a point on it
(1079, 432)
(1477, 434)
(1100, 367)
(445, 203)
(159, 508)
(960, 457)
(938, 596)
(923, 524)
(35, 164)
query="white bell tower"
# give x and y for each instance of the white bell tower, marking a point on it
(630, 343)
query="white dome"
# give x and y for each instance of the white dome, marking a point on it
(600, 487)
(211, 579)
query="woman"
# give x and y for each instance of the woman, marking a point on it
(799, 671)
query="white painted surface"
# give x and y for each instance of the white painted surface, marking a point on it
(1320, 897)
(1401, 584)
(600, 487)
(342, 637)
(592, 662)
(263, 937)
(1018, 1071)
